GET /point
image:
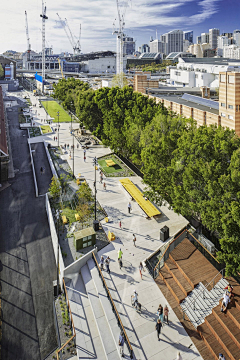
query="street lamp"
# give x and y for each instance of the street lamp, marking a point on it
(58, 127)
(58, 216)
(95, 221)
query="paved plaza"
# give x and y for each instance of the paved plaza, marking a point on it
(115, 200)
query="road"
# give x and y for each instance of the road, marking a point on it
(27, 266)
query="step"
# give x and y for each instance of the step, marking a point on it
(181, 270)
(106, 304)
(172, 285)
(223, 337)
(178, 277)
(211, 342)
(107, 339)
(227, 324)
(234, 314)
(88, 342)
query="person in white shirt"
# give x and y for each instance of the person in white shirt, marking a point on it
(225, 302)
(221, 357)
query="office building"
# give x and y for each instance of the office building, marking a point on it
(231, 52)
(188, 35)
(198, 40)
(145, 48)
(221, 42)
(157, 46)
(128, 46)
(193, 72)
(204, 38)
(213, 35)
(236, 37)
(174, 41)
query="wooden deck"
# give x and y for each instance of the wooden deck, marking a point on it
(220, 333)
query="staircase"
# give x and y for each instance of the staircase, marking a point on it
(97, 331)
(186, 274)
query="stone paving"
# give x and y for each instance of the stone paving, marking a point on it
(115, 200)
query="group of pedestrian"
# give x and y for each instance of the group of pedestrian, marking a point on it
(106, 262)
(162, 317)
(55, 138)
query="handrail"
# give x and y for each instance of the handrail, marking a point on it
(114, 307)
(205, 287)
(74, 332)
(176, 239)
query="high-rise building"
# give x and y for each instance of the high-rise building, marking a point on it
(213, 35)
(205, 38)
(198, 40)
(145, 48)
(157, 46)
(188, 35)
(221, 42)
(236, 37)
(128, 46)
(174, 41)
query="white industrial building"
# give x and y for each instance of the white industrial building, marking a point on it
(198, 49)
(231, 52)
(102, 65)
(192, 72)
(221, 42)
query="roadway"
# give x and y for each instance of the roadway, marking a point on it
(27, 264)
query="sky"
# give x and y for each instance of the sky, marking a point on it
(143, 18)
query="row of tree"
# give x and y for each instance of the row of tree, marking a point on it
(195, 169)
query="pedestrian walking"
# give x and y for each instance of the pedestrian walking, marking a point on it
(160, 313)
(77, 146)
(225, 302)
(54, 138)
(120, 253)
(121, 343)
(84, 151)
(120, 263)
(158, 328)
(141, 269)
(104, 186)
(107, 263)
(129, 207)
(41, 170)
(120, 224)
(84, 158)
(134, 240)
(102, 263)
(101, 179)
(165, 314)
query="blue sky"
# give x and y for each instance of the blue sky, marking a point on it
(142, 19)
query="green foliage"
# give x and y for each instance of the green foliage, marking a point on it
(119, 79)
(55, 187)
(84, 193)
(1, 72)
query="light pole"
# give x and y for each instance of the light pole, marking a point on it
(58, 127)
(95, 221)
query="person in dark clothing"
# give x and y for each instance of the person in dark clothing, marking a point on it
(158, 328)
(107, 262)
(160, 312)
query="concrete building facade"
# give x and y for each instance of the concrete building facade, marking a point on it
(231, 52)
(205, 38)
(221, 42)
(213, 35)
(128, 46)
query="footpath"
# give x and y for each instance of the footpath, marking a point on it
(123, 282)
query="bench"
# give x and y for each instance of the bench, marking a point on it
(110, 163)
(77, 217)
(64, 219)
(136, 194)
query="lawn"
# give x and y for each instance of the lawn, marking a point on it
(70, 214)
(46, 129)
(52, 107)
(109, 169)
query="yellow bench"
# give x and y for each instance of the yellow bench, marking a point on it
(110, 162)
(64, 219)
(146, 205)
(78, 182)
(106, 219)
(111, 236)
(77, 217)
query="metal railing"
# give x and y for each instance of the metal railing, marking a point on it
(203, 291)
(114, 309)
(175, 242)
(71, 323)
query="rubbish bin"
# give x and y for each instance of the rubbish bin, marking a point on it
(96, 225)
(164, 233)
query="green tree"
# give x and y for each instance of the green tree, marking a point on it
(65, 90)
(55, 187)
(84, 212)
(1, 72)
(119, 79)
(84, 194)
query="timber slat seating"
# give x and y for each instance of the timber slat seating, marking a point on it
(146, 205)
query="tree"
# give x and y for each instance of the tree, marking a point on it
(84, 194)
(65, 90)
(119, 80)
(84, 213)
(1, 72)
(55, 188)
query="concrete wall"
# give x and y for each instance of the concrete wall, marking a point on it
(50, 161)
(33, 168)
(54, 238)
(75, 267)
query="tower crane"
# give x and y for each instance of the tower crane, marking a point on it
(119, 33)
(44, 18)
(28, 39)
(75, 45)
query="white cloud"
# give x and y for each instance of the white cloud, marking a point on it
(96, 17)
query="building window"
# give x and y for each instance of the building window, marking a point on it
(230, 117)
(236, 107)
(196, 76)
(223, 104)
(231, 79)
(230, 107)
(223, 115)
(222, 78)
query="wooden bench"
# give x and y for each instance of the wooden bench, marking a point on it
(64, 219)
(136, 194)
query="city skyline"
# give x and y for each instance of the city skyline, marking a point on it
(160, 17)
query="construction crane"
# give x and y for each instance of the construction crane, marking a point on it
(119, 33)
(75, 45)
(44, 18)
(28, 39)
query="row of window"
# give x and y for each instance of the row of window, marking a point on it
(230, 117)
(231, 106)
(230, 78)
